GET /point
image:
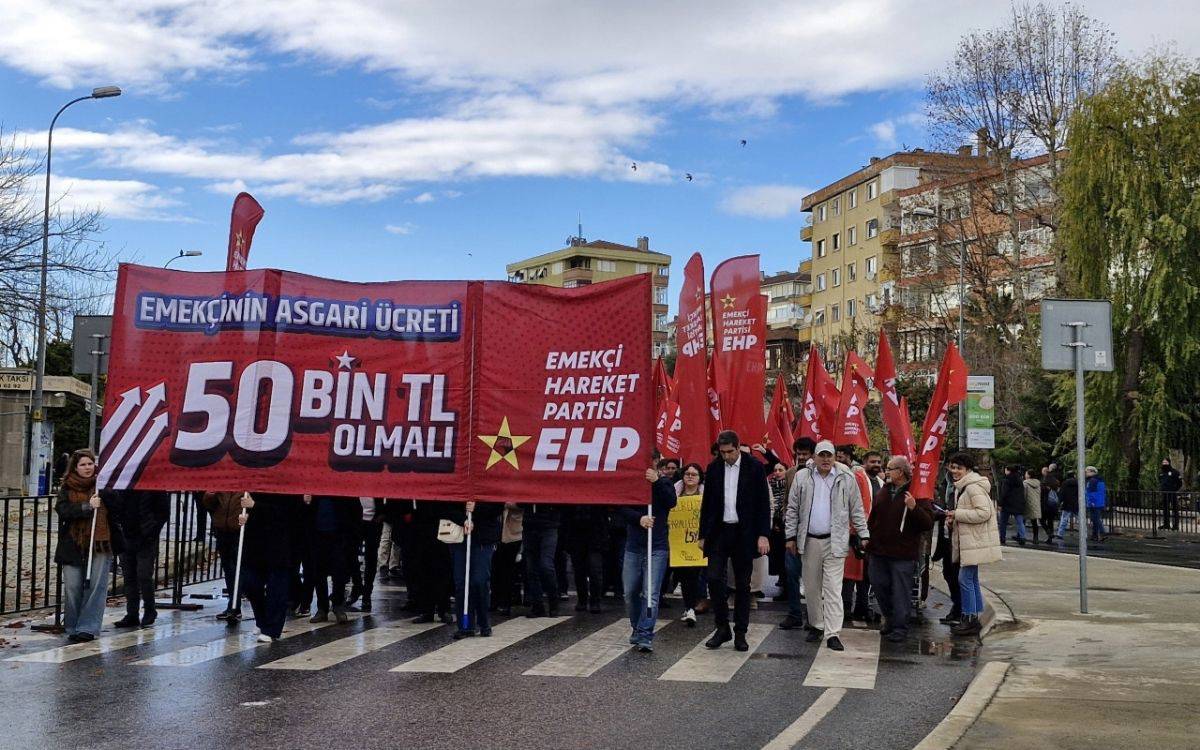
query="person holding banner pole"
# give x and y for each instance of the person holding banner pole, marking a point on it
(472, 558)
(85, 548)
(647, 555)
(225, 508)
(266, 567)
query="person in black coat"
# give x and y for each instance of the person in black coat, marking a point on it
(267, 559)
(139, 516)
(586, 529)
(336, 521)
(539, 545)
(483, 530)
(1012, 503)
(735, 522)
(1068, 499)
(427, 563)
(1169, 484)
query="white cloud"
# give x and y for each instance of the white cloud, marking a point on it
(765, 201)
(424, 198)
(116, 199)
(406, 228)
(886, 132)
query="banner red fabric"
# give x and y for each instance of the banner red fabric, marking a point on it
(951, 388)
(851, 427)
(445, 390)
(664, 386)
(691, 365)
(666, 431)
(779, 422)
(739, 344)
(242, 221)
(899, 429)
(810, 408)
(715, 418)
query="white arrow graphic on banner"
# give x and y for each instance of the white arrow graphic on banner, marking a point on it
(135, 462)
(129, 399)
(154, 397)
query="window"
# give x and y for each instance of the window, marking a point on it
(642, 268)
(819, 317)
(852, 235)
(872, 190)
(664, 271)
(660, 296)
(557, 268)
(872, 302)
(837, 276)
(872, 228)
(606, 265)
(851, 272)
(820, 282)
(820, 248)
(854, 198)
(837, 241)
(835, 313)
(851, 307)
(837, 206)
(821, 212)
(872, 267)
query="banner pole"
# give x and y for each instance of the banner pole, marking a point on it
(465, 622)
(649, 552)
(87, 576)
(237, 570)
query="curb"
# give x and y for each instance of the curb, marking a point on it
(968, 709)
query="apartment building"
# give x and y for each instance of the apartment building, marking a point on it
(966, 223)
(853, 225)
(583, 262)
(789, 304)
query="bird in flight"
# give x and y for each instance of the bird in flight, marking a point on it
(633, 166)
(688, 176)
(743, 142)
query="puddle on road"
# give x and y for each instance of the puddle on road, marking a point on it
(955, 649)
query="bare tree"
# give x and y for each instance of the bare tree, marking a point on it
(79, 266)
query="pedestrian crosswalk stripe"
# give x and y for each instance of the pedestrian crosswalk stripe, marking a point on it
(799, 729)
(229, 645)
(703, 664)
(853, 668)
(463, 653)
(591, 654)
(111, 643)
(344, 649)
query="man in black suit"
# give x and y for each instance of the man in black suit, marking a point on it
(735, 519)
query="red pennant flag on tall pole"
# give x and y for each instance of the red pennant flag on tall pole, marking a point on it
(815, 420)
(779, 422)
(851, 427)
(739, 344)
(664, 387)
(899, 429)
(716, 420)
(242, 221)
(691, 365)
(951, 388)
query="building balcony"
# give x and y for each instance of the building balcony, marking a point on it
(806, 233)
(577, 274)
(889, 237)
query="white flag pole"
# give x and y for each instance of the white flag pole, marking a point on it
(649, 566)
(465, 623)
(87, 576)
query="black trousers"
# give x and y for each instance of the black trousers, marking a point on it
(371, 534)
(614, 562)
(137, 566)
(1170, 510)
(427, 569)
(540, 546)
(587, 560)
(893, 578)
(227, 543)
(854, 595)
(723, 549)
(689, 582)
(267, 591)
(950, 576)
(505, 574)
(329, 554)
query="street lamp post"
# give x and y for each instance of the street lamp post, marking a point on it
(37, 415)
(183, 254)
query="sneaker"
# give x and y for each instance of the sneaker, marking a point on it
(790, 623)
(148, 618)
(835, 644)
(319, 616)
(644, 648)
(264, 638)
(128, 621)
(689, 617)
(339, 614)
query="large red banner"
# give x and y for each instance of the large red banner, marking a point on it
(455, 390)
(739, 345)
(691, 368)
(951, 388)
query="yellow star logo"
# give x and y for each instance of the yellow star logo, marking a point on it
(727, 301)
(504, 445)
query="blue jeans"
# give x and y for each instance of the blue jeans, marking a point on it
(481, 579)
(1096, 519)
(84, 611)
(972, 593)
(634, 576)
(792, 569)
(1064, 520)
(1004, 516)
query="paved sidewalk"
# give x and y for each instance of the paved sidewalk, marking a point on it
(1127, 675)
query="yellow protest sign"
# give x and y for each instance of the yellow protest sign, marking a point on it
(683, 531)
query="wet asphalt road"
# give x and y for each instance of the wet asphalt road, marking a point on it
(106, 701)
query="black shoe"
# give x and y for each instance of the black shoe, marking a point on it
(149, 618)
(365, 605)
(446, 618)
(780, 597)
(952, 618)
(396, 573)
(814, 635)
(422, 619)
(505, 611)
(355, 593)
(460, 634)
(485, 632)
(970, 625)
(790, 623)
(722, 635)
(128, 621)
(536, 611)
(1021, 542)
(581, 605)
(897, 636)
(887, 628)
(224, 615)
(739, 642)
(835, 644)
(595, 609)
(758, 594)
(81, 638)
(552, 610)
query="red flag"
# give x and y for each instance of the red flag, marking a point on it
(664, 386)
(850, 427)
(716, 420)
(779, 423)
(245, 217)
(739, 344)
(811, 409)
(691, 365)
(951, 389)
(899, 429)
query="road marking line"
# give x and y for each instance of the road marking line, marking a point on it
(588, 656)
(111, 643)
(344, 649)
(463, 653)
(800, 728)
(229, 645)
(855, 667)
(703, 664)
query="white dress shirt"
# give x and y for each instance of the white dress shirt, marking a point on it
(731, 483)
(819, 516)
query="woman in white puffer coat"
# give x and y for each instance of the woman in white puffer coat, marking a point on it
(974, 535)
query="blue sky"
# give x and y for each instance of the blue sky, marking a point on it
(389, 141)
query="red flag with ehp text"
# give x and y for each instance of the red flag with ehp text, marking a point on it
(242, 222)
(739, 345)
(447, 390)
(691, 365)
(951, 388)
